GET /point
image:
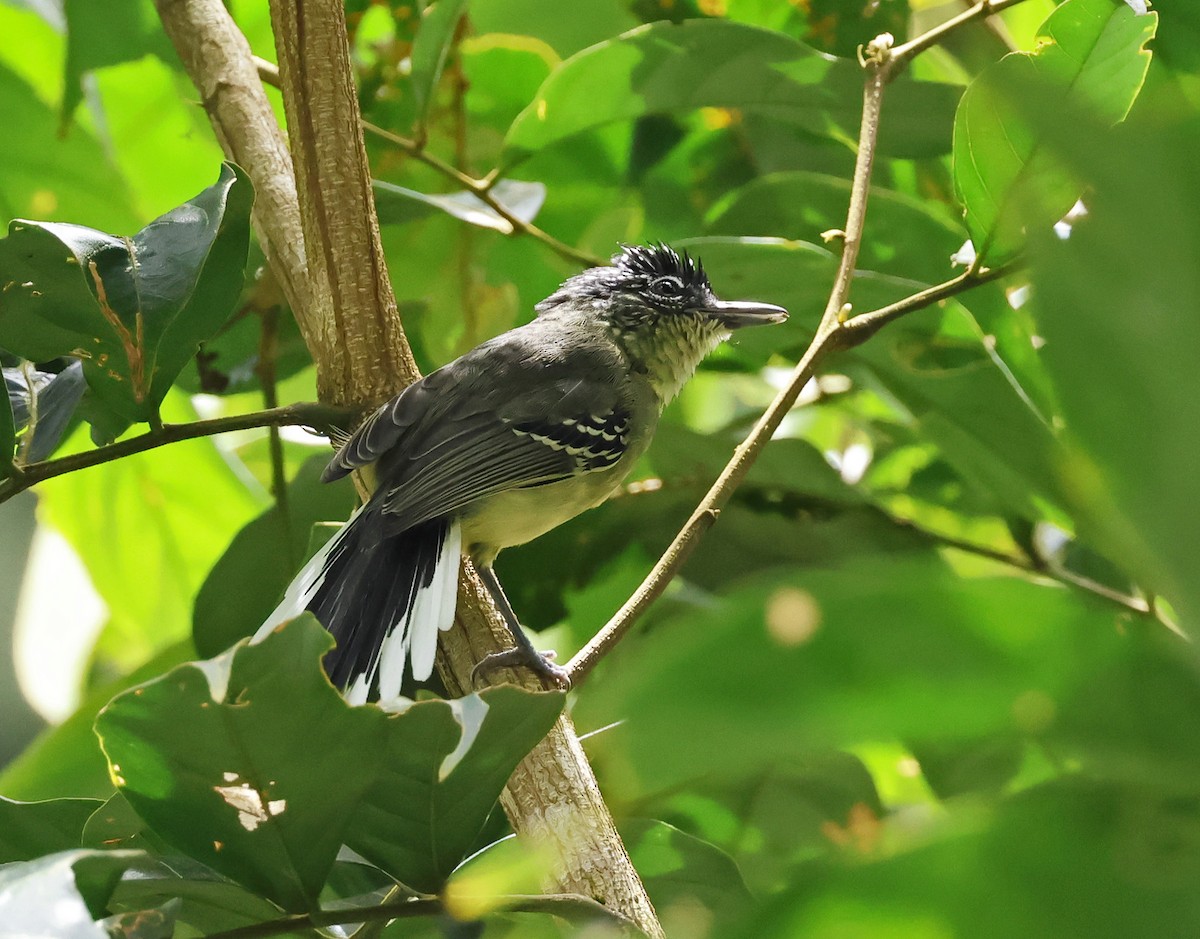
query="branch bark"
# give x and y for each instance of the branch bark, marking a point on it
(350, 322)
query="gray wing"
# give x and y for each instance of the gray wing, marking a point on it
(518, 411)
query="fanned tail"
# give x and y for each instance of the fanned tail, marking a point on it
(384, 598)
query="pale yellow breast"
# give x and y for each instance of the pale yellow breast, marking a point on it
(520, 515)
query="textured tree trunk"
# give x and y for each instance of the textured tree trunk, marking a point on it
(320, 233)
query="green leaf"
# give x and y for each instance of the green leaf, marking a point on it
(133, 309)
(1120, 335)
(63, 893)
(100, 35)
(430, 49)
(523, 200)
(668, 67)
(248, 580)
(443, 767)
(1092, 56)
(1072, 859)
(31, 829)
(680, 869)
(65, 761)
(873, 647)
(908, 237)
(254, 765)
(244, 762)
(44, 174)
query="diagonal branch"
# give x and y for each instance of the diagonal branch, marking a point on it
(836, 331)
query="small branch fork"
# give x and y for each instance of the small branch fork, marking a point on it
(838, 330)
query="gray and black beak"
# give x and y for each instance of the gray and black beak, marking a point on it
(734, 314)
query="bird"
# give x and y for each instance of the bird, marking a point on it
(505, 443)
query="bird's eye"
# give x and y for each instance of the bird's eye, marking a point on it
(668, 287)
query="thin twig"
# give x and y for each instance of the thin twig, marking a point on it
(902, 54)
(320, 417)
(571, 906)
(481, 188)
(424, 906)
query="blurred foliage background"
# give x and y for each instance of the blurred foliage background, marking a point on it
(930, 676)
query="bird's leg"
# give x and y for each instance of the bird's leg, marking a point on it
(524, 655)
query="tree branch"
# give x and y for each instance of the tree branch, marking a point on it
(903, 54)
(321, 417)
(362, 355)
(839, 336)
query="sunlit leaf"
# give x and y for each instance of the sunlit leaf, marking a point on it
(64, 893)
(1092, 55)
(669, 67)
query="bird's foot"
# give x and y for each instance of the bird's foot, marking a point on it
(540, 663)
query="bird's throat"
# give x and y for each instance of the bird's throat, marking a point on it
(671, 353)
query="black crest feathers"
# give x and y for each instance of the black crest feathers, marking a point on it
(659, 259)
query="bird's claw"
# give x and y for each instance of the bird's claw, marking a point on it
(540, 663)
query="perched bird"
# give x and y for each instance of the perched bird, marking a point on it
(503, 444)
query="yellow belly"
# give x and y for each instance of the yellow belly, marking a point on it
(520, 515)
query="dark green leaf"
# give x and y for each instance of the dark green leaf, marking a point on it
(8, 430)
(430, 49)
(244, 762)
(666, 67)
(31, 829)
(54, 398)
(443, 766)
(133, 309)
(1072, 859)
(247, 582)
(1092, 55)
(253, 764)
(61, 895)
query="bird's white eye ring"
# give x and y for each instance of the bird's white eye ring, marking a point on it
(668, 287)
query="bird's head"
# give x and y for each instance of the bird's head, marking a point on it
(658, 305)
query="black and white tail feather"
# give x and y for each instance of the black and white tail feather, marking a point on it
(383, 597)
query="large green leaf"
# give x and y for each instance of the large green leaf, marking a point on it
(667, 67)
(134, 309)
(876, 647)
(61, 895)
(253, 764)
(1071, 859)
(443, 766)
(31, 829)
(1092, 55)
(1116, 304)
